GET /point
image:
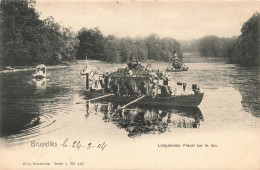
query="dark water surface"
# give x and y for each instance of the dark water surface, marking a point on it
(31, 109)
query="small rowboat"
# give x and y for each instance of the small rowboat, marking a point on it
(40, 71)
(173, 100)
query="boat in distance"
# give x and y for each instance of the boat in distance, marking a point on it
(173, 100)
(40, 72)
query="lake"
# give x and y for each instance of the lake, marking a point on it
(55, 108)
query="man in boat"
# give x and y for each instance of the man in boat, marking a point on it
(196, 88)
(122, 89)
(166, 91)
(143, 89)
(131, 91)
(106, 83)
(114, 87)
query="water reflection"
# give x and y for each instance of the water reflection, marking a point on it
(139, 120)
(40, 83)
(29, 108)
(29, 105)
(17, 109)
(247, 81)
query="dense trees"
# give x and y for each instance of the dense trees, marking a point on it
(246, 49)
(210, 46)
(213, 46)
(91, 44)
(243, 50)
(94, 45)
(27, 40)
(189, 46)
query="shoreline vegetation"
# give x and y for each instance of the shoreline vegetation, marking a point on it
(243, 49)
(26, 40)
(188, 58)
(9, 69)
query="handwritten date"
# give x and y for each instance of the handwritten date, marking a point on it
(78, 145)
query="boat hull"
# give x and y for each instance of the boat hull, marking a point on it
(175, 100)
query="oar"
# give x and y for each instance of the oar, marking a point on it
(94, 99)
(100, 97)
(131, 102)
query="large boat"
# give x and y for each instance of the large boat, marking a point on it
(173, 100)
(138, 84)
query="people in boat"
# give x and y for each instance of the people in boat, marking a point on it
(175, 55)
(196, 88)
(149, 66)
(165, 91)
(165, 81)
(134, 64)
(131, 91)
(154, 90)
(106, 83)
(40, 71)
(122, 89)
(143, 89)
(114, 87)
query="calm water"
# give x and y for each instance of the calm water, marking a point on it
(34, 109)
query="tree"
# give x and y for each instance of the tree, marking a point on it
(127, 49)
(141, 50)
(153, 46)
(91, 44)
(20, 25)
(210, 46)
(111, 52)
(246, 50)
(70, 44)
(27, 40)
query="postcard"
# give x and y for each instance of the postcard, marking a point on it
(129, 84)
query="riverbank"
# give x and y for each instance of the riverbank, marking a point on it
(9, 69)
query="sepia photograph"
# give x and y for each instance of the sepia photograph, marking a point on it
(129, 84)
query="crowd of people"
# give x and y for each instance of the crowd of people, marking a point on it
(134, 81)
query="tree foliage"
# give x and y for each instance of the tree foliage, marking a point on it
(243, 50)
(91, 44)
(213, 46)
(112, 49)
(28, 40)
(210, 46)
(246, 50)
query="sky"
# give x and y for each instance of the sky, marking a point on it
(182, 20)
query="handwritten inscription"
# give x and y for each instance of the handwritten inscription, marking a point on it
(67, 143)
(78, 145)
